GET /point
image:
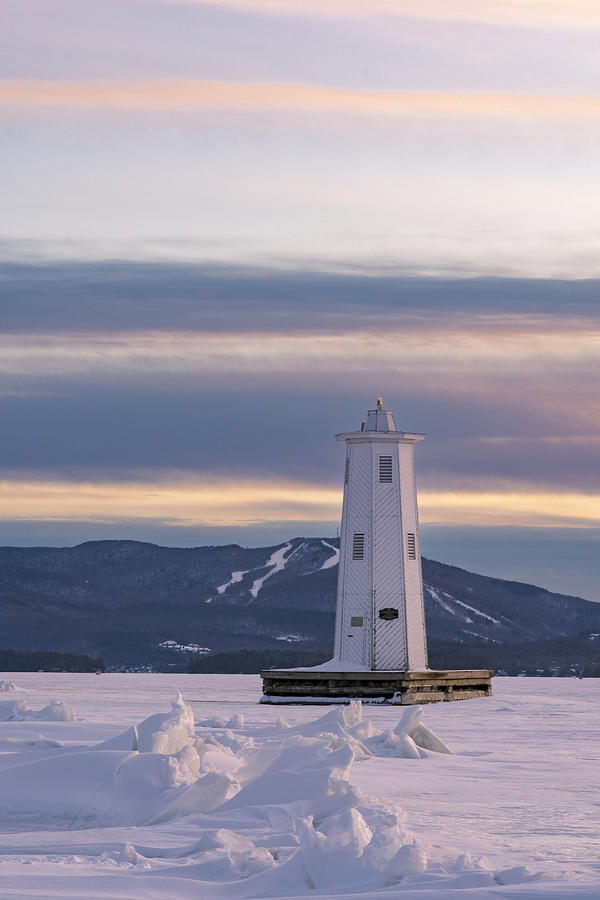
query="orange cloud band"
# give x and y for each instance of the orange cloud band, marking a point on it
(283, 97)
(209, 502)
(220, 502)
(530, 508)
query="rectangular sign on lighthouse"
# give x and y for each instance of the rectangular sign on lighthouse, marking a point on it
(380, 620)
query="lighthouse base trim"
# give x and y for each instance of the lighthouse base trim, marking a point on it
(390, 687)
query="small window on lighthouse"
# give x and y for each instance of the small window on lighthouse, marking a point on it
(346, 476)
(385, 469)
(411, 546)
(358, 546)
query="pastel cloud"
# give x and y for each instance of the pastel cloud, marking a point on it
(488, 347)
(396, 46)
(547, 13)
(212, 502)
(485, 507)
(286, 97)
(221, 502)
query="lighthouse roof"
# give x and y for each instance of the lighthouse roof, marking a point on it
(380, 419)
(382, 422)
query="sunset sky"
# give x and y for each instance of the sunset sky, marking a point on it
(228, 227)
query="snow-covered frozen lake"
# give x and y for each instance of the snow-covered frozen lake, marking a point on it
(217, 797)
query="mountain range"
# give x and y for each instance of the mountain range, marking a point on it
(138, 604)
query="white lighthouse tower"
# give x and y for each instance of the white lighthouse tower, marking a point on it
(380, 652)
(380, 619)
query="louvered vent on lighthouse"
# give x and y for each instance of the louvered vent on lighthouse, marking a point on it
(385, 469)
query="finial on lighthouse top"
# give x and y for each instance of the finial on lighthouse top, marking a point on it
(380, 419)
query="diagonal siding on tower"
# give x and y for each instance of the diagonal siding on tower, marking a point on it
(380, 620)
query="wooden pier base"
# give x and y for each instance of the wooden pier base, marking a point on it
(401, 688)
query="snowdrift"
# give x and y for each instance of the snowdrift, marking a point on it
(273, 809)
(18, 711)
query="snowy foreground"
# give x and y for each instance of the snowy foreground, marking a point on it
(111, 787)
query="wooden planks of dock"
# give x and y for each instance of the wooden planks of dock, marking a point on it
(402, 688)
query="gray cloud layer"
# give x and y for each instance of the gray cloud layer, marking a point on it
(531, 423)
(116, 296)
(125, 432)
